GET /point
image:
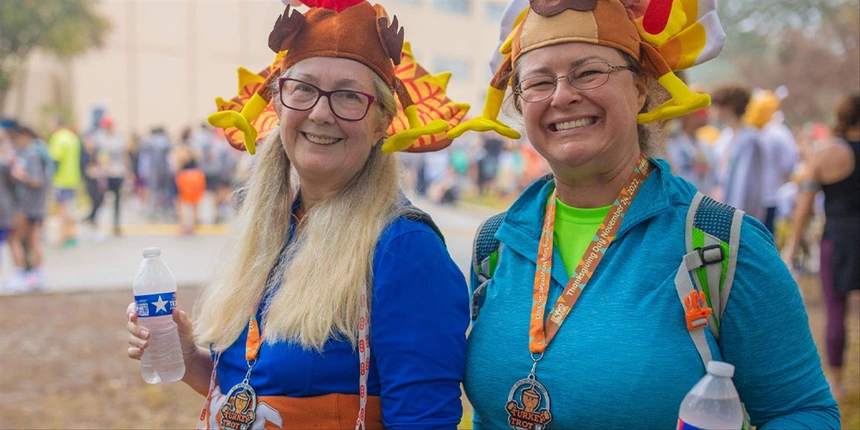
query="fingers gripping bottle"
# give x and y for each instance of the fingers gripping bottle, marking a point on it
(155, 298)
(713, 403)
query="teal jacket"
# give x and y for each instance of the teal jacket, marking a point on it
(623, 357)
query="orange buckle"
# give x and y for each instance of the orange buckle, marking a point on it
(697, 311)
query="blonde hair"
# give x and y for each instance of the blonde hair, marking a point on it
(315, 290)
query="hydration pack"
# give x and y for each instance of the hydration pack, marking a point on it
(703, 281)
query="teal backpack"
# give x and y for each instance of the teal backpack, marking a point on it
(703, 281)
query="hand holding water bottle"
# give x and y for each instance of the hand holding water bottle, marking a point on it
(154, 322)
(139, 336)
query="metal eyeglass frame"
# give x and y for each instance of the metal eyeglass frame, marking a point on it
(612, 68)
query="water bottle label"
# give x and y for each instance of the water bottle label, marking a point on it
(155, 305)
(684, 426)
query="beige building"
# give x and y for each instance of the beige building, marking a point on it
(165, 61)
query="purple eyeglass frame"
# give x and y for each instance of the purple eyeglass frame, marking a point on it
(322, 93)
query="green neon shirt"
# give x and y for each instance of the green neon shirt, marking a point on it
(574, 230)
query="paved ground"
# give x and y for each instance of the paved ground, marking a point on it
(111, 263)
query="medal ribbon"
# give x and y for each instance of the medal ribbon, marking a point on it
(202, 423)
(540, 332)
(364, 360)
(253, 342)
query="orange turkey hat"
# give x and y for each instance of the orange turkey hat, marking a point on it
(355, 30)
(662, 35)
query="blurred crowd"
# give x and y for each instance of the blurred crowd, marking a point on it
(738, 151)
(72, 175)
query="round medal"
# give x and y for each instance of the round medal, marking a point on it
(528, 405)
(238, 413)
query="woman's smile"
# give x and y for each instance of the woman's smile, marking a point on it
(574, 124)
(320, 139)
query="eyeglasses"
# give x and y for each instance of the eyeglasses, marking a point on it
(585, 77)
(348, 105)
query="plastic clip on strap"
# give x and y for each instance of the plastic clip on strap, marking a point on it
(696, 311)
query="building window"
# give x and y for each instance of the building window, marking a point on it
(460, 69)
(494, 11)
(457, 6)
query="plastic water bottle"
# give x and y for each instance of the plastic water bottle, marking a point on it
(713, 403)
(155, 297)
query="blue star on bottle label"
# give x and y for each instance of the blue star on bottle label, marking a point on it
(155, 305)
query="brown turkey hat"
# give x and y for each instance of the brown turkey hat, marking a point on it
(360, 32)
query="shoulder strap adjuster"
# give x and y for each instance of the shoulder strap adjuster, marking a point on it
(711, 254)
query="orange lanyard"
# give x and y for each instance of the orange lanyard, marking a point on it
(253, 343)
(542, 332)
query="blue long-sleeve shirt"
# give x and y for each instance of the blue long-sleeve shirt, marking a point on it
(623, 357)
(419, 316)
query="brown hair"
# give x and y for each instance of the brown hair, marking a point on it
(847, 114)
(734, 97)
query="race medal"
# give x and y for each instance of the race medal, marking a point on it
(238, 412)
(528, 405)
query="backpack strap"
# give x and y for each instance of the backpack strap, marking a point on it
(716, 228)
(412, 213)
(713, 233)
(712, 239)
(485, 256)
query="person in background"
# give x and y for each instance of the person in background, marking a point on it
(488, 163)
(64, 147)
(325, 276)
(690, 157)
(582, 314)
(8, 198)
(114, 162)
(155, 169)
(25, 242)
(740, 173)
(95, 181)
(218, 165)
(779, 149)
(832, 168)
(137, 180)
(190, 183)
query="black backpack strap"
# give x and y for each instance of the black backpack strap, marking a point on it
(485, 252)
(485, 245)
(412, 213)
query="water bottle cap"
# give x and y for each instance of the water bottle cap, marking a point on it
(720, 368)
(151, 252)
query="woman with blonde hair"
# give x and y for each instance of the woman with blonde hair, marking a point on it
(331, 308)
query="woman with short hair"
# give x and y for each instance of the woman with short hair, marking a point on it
(585, 321)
